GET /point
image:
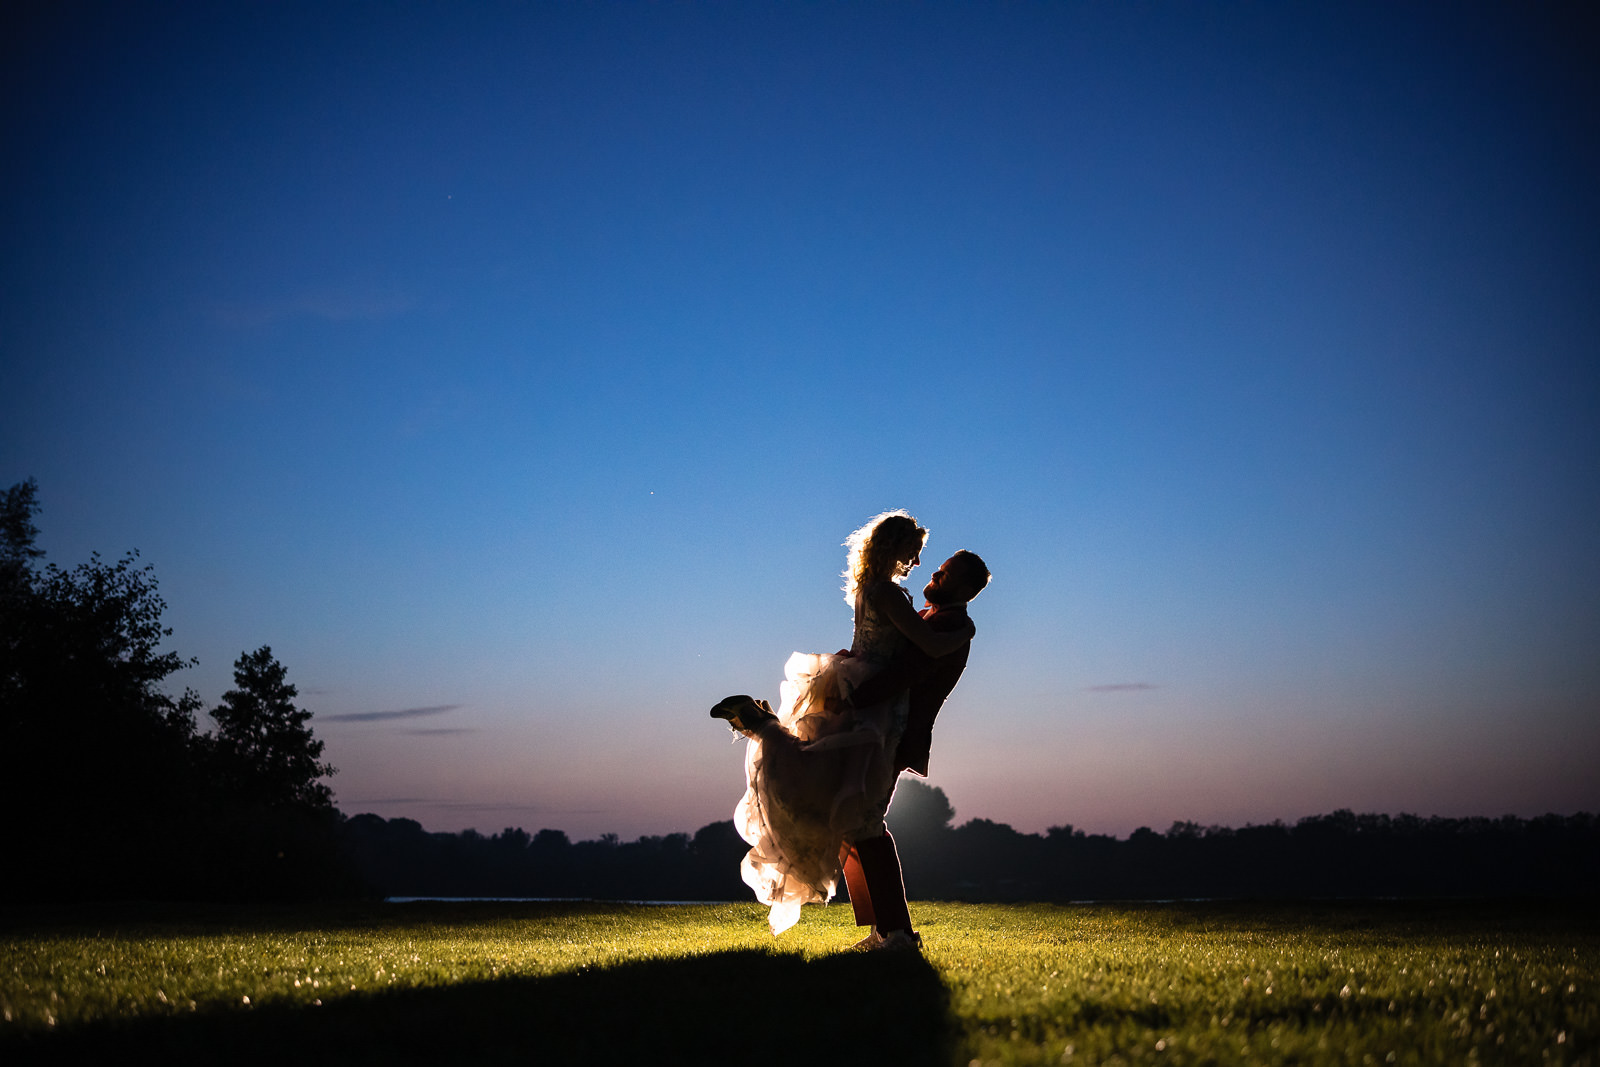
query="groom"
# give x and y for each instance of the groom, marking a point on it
(871, 864)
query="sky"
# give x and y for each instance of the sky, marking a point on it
(516, 370)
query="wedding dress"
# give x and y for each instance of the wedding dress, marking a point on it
(822, 775)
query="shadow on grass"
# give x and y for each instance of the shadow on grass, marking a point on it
(731, 1007)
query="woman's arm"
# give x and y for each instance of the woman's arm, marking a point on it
(887, 598)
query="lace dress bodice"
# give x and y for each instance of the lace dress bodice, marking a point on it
(876, 638)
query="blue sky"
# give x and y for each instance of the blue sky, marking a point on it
(525, 366)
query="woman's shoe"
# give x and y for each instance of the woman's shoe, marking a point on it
(745, 714)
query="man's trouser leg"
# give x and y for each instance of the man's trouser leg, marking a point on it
(879, 864)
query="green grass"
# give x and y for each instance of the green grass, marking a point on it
(1174, 984)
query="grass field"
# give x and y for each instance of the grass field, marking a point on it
(598, 983)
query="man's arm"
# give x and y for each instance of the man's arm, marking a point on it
(935, 641)
(928, 693)
(911, 665)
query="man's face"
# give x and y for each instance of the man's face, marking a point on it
(949, 584)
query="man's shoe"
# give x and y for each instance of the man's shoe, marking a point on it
(901, 941)
(867, 944)
(744, 713)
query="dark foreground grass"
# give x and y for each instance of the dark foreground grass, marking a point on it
(597, 983)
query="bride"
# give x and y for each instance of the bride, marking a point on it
(821, 770)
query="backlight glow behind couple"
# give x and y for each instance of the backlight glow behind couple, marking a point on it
(821, 770)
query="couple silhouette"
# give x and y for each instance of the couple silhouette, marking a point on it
(821, 769)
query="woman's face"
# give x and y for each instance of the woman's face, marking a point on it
(909, 560)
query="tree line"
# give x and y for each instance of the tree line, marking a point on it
(1342, 854)
(1337, 855)
(113, 790)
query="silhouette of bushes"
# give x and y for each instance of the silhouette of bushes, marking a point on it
(399, 858)
(1337, 855)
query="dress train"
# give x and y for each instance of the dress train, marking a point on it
(817, 777)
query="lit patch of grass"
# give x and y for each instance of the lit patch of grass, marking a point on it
(239, 957)
(1216, 983)
(1181, 984)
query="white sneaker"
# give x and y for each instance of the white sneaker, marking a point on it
(901, 941)
(871, 941)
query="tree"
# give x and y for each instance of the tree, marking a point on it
(273, 828)
(18, 506)
(267, 753)
(919, 817)
(83, 708)
(920, 812)
(110, 789)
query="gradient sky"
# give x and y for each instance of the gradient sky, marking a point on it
(516, 370)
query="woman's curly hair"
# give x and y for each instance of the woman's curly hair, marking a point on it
(878, 551)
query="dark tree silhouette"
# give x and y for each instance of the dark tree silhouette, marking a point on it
(919, 810)
(96, 769)
(81, 647)
(109, 789)
(264, 745)
(273, 823)
(18, 506)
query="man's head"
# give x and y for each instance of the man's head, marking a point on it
(958, 579)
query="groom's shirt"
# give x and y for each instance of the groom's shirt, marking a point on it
(930, 679)
(929, 688)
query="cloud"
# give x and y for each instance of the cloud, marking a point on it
(440, 731)
(331, 306)
(384, 716)
(538, 809)
(1121, 687)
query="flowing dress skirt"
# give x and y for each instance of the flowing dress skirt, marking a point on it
(819, 777)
